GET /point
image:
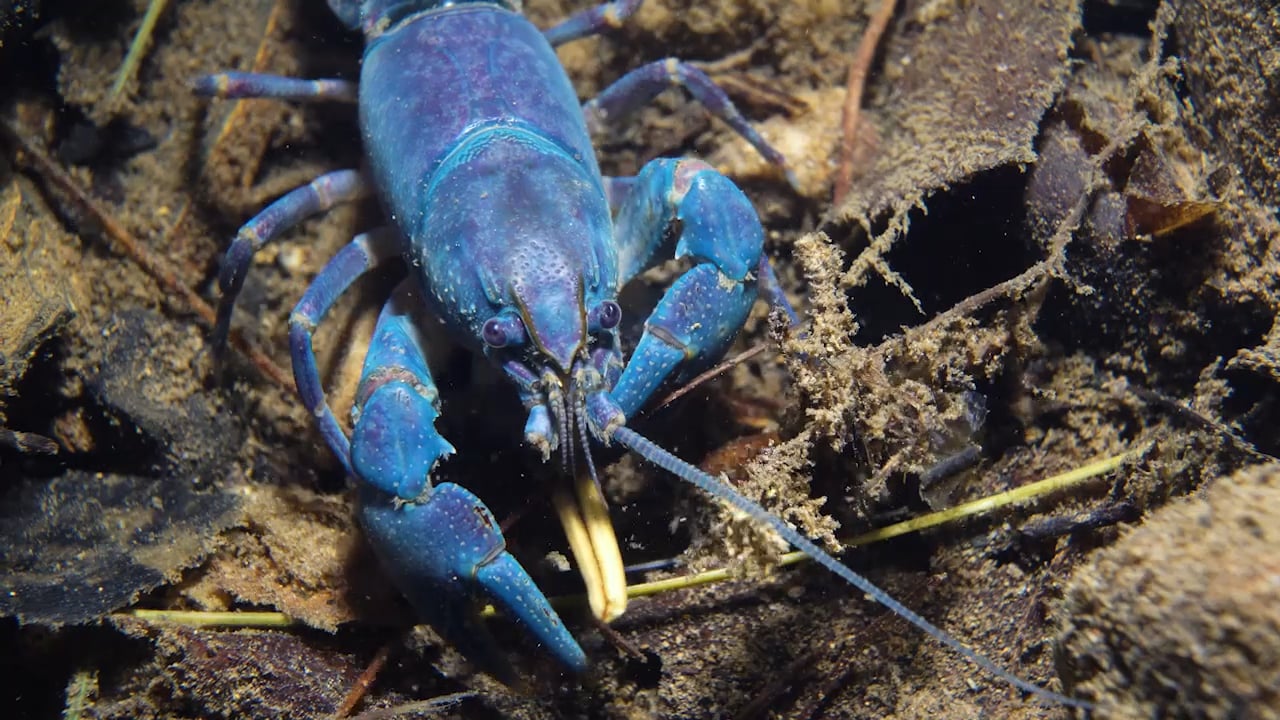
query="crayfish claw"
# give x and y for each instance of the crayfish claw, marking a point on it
(395, 445)
(447, 555)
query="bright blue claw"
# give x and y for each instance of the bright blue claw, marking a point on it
(395, 444)
(705, 308)
(440, 544)
(447, 554)
(510, 586)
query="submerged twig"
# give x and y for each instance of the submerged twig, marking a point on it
(361, 686)
(1052, 527)
(207, 619)
(239, 109)
(1020, 494)
(139, 46)
(858, 70)
(991, 502)
(1051, 266)
(847, 667)
(711, 374)
(795, 672)
(1186, 412)
(615, 638)
(25, 442)
(153, 265)
(759, 95)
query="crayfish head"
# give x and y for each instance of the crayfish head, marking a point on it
(561, 346)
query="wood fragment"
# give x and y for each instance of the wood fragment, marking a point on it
(240, 109)
(796, 672)
(362, 684)
(34, 157)
(138, 48)
(714, 372)
(858, 70)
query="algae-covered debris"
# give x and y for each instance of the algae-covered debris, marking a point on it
(1181, 616)
(39, 299)
(961, 90)
(1233, 77)
(299, 552)
(965, 85)
(85, 544)
(234, 674)
(79, 543)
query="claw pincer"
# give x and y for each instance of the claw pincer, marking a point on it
(445, 552)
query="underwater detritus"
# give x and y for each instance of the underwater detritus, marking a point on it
(39, 301)
(130, 515)
(1230, 67)
(236, 674)
(99, 504)
(86, 543)
(1083, 253)
(959, 104)
(27, 442)
(1160, 626)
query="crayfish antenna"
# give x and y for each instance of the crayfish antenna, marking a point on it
(584, 439)
(655, 454)
(563, 408)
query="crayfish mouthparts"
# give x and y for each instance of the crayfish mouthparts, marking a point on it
(584, 513)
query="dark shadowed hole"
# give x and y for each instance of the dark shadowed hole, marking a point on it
(970, 239)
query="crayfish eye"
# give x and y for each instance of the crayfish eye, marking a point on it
(610, 315)
(493, 334)
(499, 332)
(604, 316)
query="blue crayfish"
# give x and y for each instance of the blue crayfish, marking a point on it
(479, 150)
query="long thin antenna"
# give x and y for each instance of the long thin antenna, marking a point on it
(655, 454)
(562, 410)
(584, 439)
